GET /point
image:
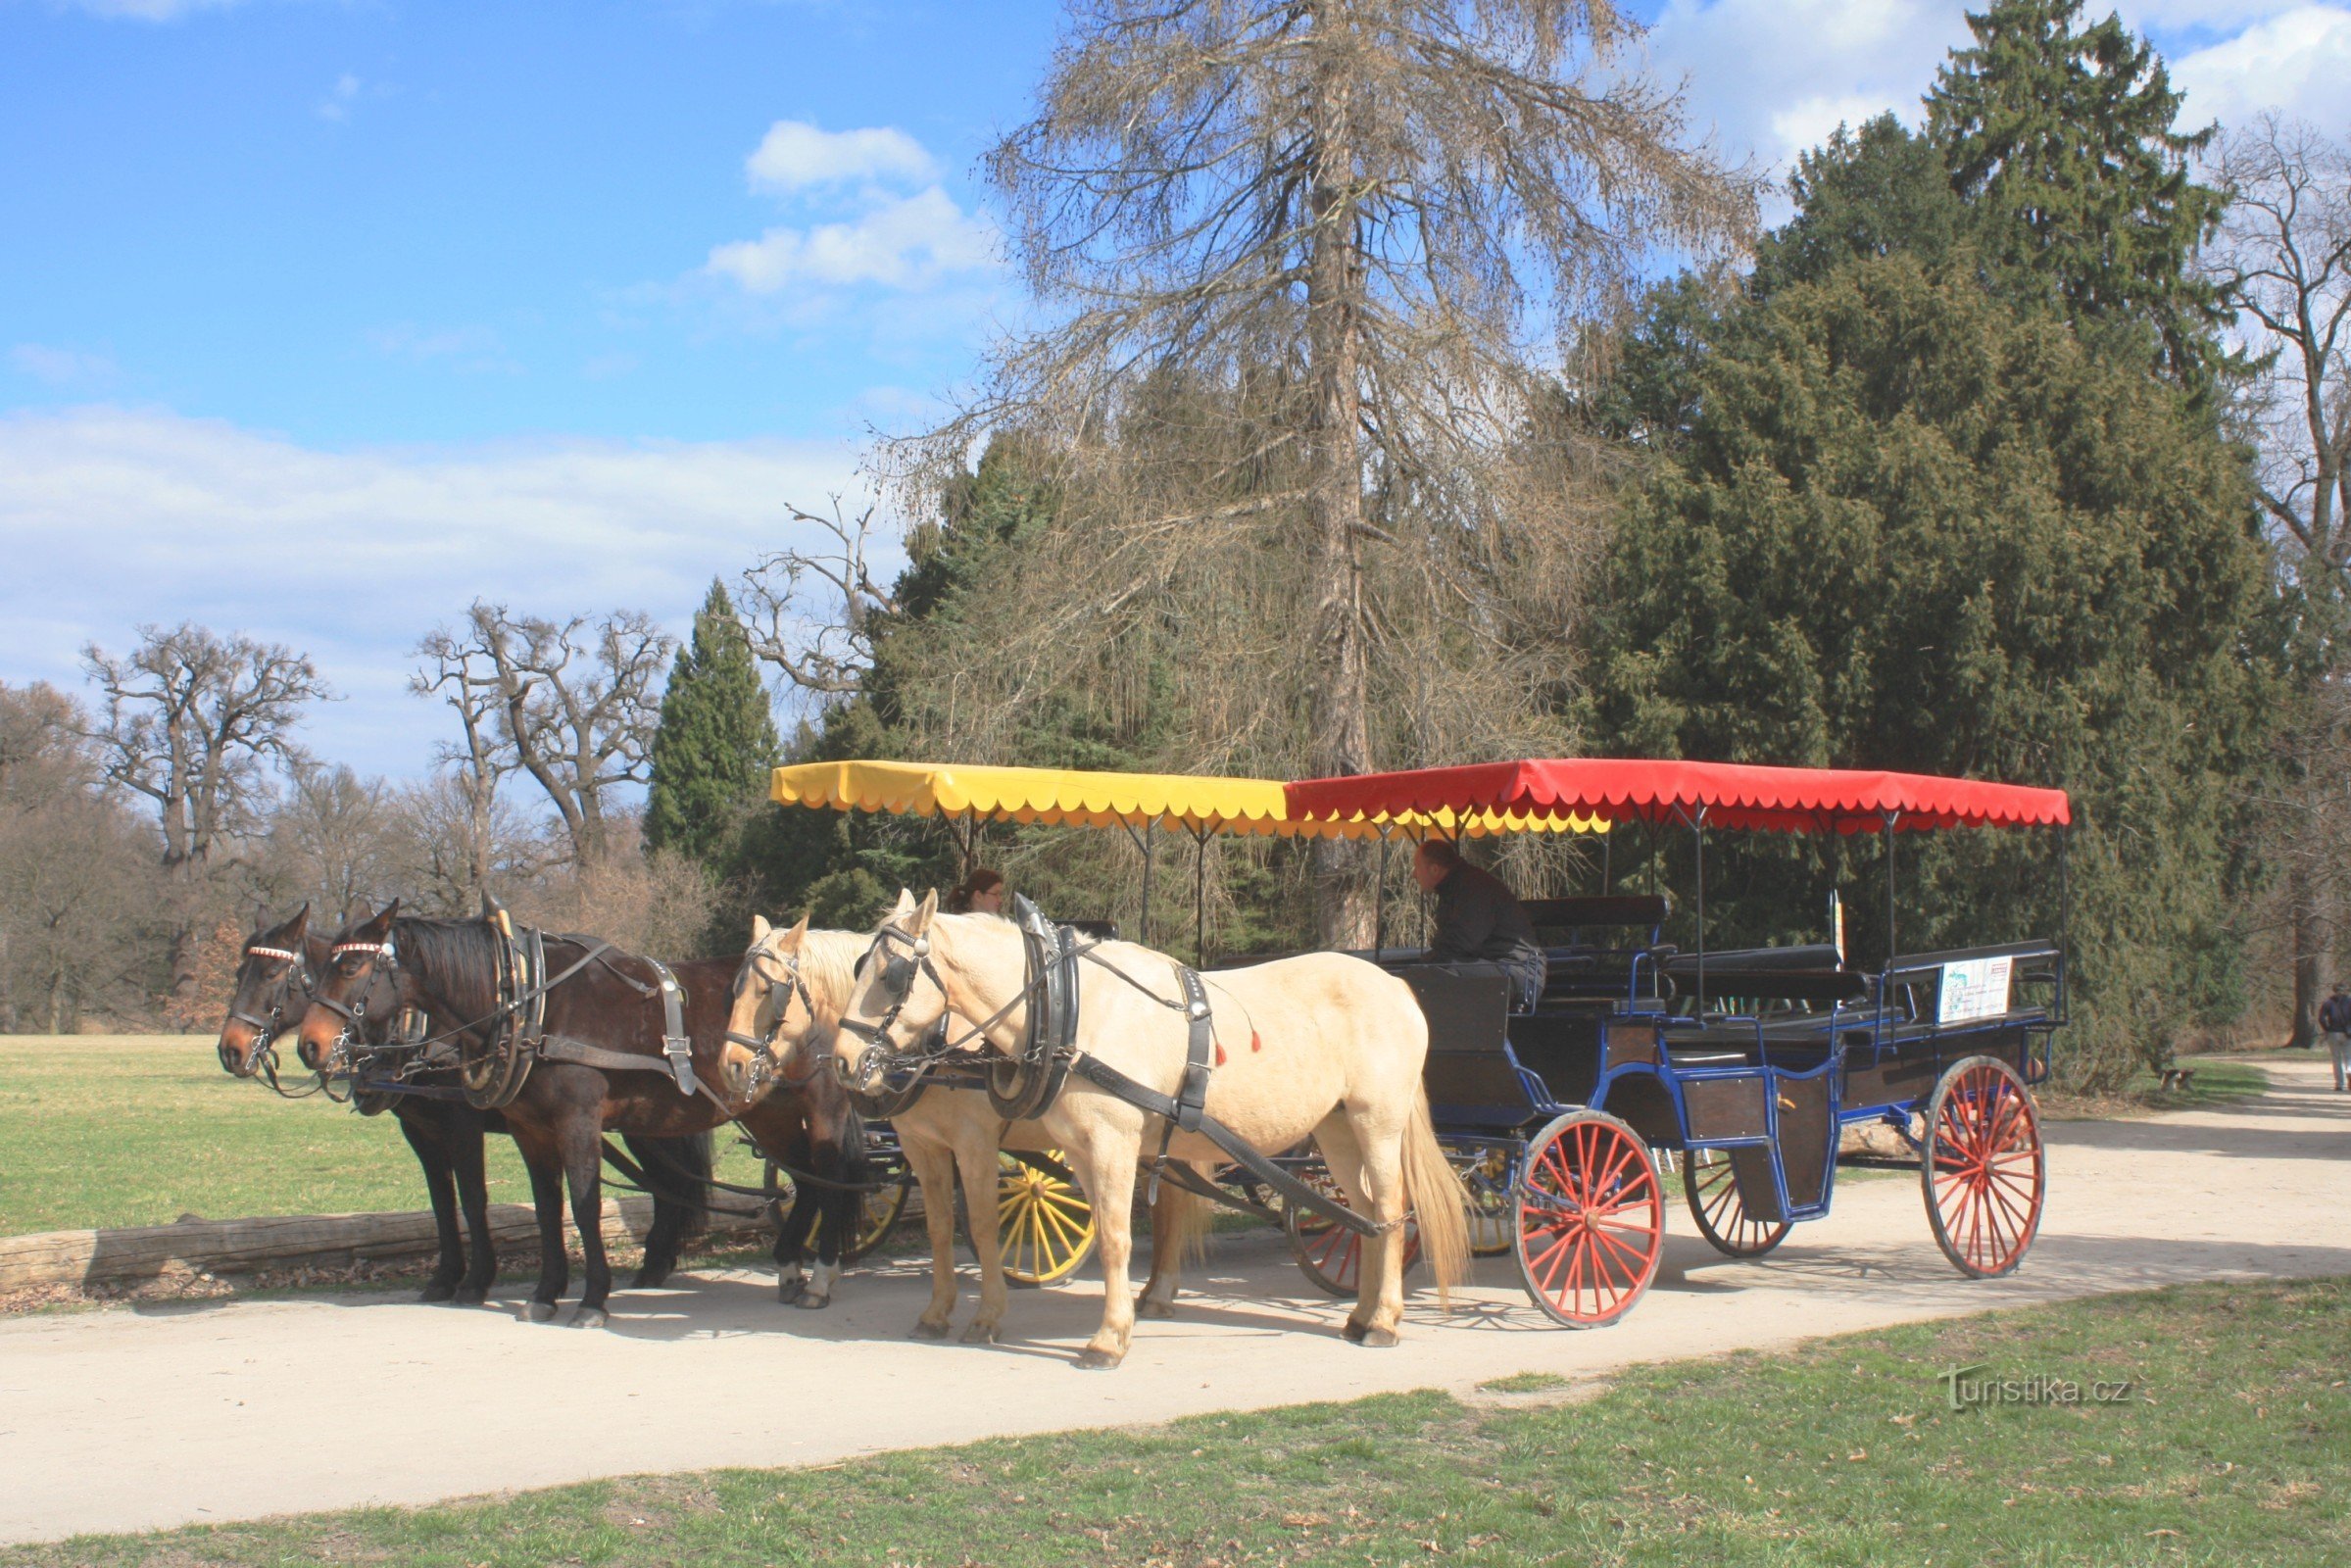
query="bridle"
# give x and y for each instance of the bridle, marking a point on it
(262, 1061)
(767, 1065)
(896, 977)
(378, 953)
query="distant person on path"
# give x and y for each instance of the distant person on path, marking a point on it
(1481, 926)
(980, 892)
(2334, 1021)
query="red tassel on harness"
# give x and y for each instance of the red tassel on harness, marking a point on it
(1220, 1052)
(1255, 1043)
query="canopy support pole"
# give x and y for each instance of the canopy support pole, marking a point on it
(2065, 911)
(1199, 894)
(1888, 818)
(1699, 833)
(1379, 900)
(1608, 861)
(1143, 841)
(967, 838)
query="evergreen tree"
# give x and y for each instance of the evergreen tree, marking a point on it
(716, 741)
(2065, 144)
(1876, 191)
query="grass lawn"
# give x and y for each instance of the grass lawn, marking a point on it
(2231, 1443)
(101, 1130)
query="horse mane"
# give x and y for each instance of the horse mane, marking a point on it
(456, 960)
(828, 965)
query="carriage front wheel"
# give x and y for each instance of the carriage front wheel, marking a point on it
(878, 1210)
(1044, 1224)
(1327, 1251)
(1591, 1219)
(1983, 1171)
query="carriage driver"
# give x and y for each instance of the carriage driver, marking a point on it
(1481, 926)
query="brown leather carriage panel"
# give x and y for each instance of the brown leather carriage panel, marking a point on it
(1725, 1107)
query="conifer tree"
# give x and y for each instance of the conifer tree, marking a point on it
(2063, 143)
(716, 741)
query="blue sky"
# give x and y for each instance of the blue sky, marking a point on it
(319, 318)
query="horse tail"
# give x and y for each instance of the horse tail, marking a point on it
(1188, 1218)
(1435, 1191)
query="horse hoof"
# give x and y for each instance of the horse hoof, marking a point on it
(438, 1290)
(471, 1295)
(540, 1311)
(590, 1317)
(980, 1334)
(1091, 1360)
(811, 1302)
(650, 1279)
(791, 1290)
(928, 1331)
(1377, 1339)
(1147, 1308)
(1354, 1332)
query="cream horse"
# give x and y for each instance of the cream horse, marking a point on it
(795, 984)
(1322, 1045)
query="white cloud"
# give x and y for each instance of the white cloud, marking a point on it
(2296, 62)
(464, 348)
(149, 10)
(903, 243)
(112, 516)
(336, 105)
(795, 156)
(63, 367)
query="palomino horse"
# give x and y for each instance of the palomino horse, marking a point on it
(450, 970)
(274, 981)
(1322, 1045)
(793, 985)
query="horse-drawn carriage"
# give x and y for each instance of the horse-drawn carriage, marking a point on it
(1742, 1067)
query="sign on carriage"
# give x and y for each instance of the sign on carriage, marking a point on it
(1975, 988)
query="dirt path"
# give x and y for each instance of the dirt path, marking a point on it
(128, 1419)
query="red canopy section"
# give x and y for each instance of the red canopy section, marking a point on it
(1787, 799)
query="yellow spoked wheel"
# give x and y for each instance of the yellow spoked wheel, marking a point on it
(1043, 1221)
(878, 1215)
(1493, 1222)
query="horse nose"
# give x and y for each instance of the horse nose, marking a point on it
(230, 1057)
(308, 1050)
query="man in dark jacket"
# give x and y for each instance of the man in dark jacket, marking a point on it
(1480, 927)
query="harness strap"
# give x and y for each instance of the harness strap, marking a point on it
(1152, 1102)
(675, 1044)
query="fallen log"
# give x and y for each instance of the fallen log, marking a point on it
(137, 1254)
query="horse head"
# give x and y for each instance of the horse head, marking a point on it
(897, 997)
(775, 1006)
(274, 978)
(360, 978)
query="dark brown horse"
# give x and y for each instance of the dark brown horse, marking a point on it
(608, 1000)
(274, 983)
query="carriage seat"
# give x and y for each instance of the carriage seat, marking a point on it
(1808, 956)
(1641, 909)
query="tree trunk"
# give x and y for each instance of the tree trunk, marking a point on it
(2313, 948)
(1338, 701)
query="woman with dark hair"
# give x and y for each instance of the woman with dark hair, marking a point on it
(980, 892)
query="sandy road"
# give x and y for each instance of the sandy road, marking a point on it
(128, 1419)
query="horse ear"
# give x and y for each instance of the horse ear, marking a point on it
(384, 915)
(798, 934)
(759, 929)
(297, 927)
(903, 906)
(922, 914)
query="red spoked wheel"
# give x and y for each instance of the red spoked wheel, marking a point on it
(1983, 1171)
(1591, 1219)
(1328, 1252)
(1713, 1193)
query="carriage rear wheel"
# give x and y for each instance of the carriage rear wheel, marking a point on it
(1043, 1223)
(1723, 1218)
(1591, 1218)
(1327, 1251)
(1982, 1172)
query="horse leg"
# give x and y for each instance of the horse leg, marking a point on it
(1367, 1161)
(433, 1153)
(547, 1197)
(461, 1130)
(792, 1233)
(935, 1173)
(1106, 1168)
(1176, 1220)
(975, 1161)
(583, 1167)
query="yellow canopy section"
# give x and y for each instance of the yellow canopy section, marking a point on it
(1199, 804)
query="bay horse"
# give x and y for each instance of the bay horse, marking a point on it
(1323, 1045)
(448, 969)
(276, 976)
(794, 984)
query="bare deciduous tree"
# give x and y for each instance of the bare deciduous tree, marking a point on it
(342, 838)
(195, 722)
(573, 703)
(819, 637)
(2285, 252)
(1336, 230)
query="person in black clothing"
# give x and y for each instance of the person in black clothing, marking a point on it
(1480, 927)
